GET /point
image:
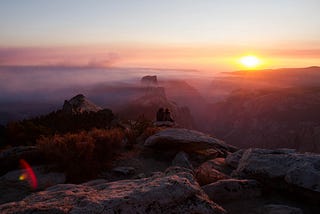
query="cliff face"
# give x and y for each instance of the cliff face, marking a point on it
(270, 119)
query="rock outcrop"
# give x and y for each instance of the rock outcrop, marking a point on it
(207, 173)
(234, 158)
(301, 171)
(186, 140)
(232, 189)
(149, 80)
(79, 104)
(182, 160)
(178, 193)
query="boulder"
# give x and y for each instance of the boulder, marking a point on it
(124, 170)
(203, 155)
(234, 158)
(220, 165)
(15, 184)
(280, 209)
(182, 160)
(232, 189)
(206, 173)
(186, 140)
(299, 171)
(178, 193)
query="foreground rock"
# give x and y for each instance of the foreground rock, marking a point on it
(206, 173)
(15, 185)
(186, 140)
(182, 160)
(234, 158)
(299, 171)
(232, 189)
(177, 193)
(124, 170)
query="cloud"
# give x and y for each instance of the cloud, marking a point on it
(106, 61)
(58, 56)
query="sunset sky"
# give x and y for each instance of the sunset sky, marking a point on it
(203, 34)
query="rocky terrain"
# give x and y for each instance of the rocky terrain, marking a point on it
(178, 171)
(271, 118)
(262, 160)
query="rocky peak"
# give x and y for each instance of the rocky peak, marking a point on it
(149, 80)
(79, 104)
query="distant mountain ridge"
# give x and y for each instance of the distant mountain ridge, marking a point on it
(270, 118)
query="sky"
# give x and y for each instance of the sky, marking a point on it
(203, 34)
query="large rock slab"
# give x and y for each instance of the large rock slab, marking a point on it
(232, 189)
(178, 193)
(186, 140)
(295, 169)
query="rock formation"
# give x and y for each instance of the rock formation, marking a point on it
(206, 173)
(177, 193)
(232, 189)
(300, 172)
(79, 104)
(188, 140)
(177, 171)
(149, 80)
(148, 103)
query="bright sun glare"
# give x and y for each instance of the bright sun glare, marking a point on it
(250, 61)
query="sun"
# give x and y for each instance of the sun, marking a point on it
(250, 61)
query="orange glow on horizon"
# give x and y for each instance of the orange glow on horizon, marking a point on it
(250, 61)
(166, 56)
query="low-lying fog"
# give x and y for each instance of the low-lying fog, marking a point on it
(266, 109)
(30, 91)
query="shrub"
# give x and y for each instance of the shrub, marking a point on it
(150, 131)
(136, 129)
(81, 155)
(26, 132)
